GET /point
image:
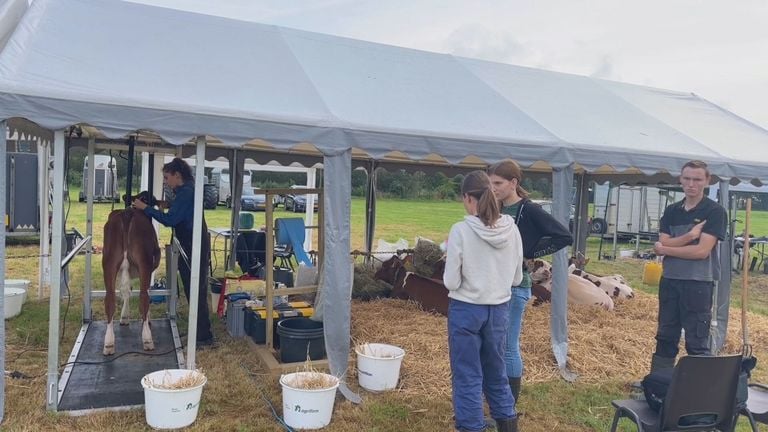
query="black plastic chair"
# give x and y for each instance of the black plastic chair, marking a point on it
(757, 406)
(250, 250)
(283, 256)
(701, 397)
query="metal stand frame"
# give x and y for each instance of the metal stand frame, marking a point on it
(57, 386)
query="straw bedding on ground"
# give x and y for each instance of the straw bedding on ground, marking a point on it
(603, 345)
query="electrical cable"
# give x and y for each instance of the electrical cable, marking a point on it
(121, 355)
(21, 375)
(112, 177)
(24, 351)
(66, 312)
(66, 276)
(271, 407)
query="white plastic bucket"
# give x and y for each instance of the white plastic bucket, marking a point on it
(627, 253)
(18, 283)
(170, 408)
(307, 408)
(378, 366)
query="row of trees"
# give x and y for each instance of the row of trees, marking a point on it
(418, 185)
(391, 184)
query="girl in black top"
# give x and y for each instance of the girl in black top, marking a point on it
(542, 235)
(177, 174)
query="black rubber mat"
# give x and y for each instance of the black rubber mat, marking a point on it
(117, 383)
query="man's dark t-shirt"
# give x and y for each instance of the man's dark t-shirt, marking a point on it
(678, 221)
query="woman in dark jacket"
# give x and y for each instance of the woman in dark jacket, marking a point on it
(178, 176)
(542, 235)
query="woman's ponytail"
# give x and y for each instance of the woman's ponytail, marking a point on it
(477, 184)
(488, 208)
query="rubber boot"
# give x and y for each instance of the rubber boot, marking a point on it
(514, 385)
(507, 425)
(659, 362)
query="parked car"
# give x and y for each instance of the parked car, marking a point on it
(546, 205)
(298, 202)
(252, 202)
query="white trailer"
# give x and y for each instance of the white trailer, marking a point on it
(630, 211)
(220, 177)
(105, 179)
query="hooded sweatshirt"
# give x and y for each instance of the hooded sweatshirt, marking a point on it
(483, 262)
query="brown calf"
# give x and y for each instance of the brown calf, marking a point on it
(130, 251)
(430, 293)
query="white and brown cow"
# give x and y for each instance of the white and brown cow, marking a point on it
(130, 251)
(580, 291)
(541, 281)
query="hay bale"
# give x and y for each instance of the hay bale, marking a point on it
(365, 287)
(426, 254)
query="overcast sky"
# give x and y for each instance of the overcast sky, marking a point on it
(717, 49)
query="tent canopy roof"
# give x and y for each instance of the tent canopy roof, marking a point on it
(181, 74)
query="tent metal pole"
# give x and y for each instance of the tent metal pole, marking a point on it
(562, 182)
(616, 221)
(3, 168)
(370, 210)
(43, 156)
(309, 210)
(580, 226)
(129, 176)
(236, 170)
(197, 237)
(52, 389)
(91, 182)
(234, 220)
(236, 178)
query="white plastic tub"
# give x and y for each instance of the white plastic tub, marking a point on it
(14, 298)
(170, 408)
(18, 283)
(378, 366)
(307, 408)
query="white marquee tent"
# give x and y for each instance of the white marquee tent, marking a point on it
(122, 67)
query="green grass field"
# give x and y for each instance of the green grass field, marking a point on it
(231, 403)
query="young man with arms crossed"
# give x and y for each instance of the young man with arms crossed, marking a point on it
(688, 239)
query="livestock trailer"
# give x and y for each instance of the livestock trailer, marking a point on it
(220, 177)
(105, 180)
(630, 211)
(22, 216)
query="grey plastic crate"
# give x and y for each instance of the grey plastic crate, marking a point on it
(236, 318)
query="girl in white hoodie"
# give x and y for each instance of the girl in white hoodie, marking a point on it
(484, 259)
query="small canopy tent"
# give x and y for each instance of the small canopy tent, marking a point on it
(286, 89)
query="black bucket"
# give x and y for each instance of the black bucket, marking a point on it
(215, 285)
(298, 333)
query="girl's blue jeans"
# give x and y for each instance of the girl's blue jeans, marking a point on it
(512, 356)
(476, 339)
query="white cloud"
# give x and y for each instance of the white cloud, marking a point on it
(606, 69)
(477, 41)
